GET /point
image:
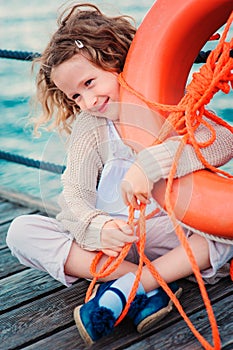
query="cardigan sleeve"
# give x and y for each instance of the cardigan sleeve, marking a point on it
(156, 161)
(78, 199)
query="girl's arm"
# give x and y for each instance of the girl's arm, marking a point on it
(154, 163)
(217, 154)
(78, 199)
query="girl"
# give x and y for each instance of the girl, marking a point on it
(77, 85)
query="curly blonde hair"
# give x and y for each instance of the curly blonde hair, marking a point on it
(106, 43)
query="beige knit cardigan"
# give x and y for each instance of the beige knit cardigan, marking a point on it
(87, 154)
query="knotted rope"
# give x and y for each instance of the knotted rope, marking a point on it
(185, 118)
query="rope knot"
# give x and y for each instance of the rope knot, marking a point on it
(200, 83)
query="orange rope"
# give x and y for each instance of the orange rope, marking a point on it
(112, 263)
(231, 269)
(185, 118)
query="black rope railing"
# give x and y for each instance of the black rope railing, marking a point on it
(19, 55)
(15, 158)
(29, 56)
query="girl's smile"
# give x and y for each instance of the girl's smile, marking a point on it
(93, 89)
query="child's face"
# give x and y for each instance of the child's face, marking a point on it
(93, 89)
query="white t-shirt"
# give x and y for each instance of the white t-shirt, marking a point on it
(120, 158)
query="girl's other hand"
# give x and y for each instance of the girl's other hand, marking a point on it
(115, 234)
(136, 187)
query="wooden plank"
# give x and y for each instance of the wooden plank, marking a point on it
(67, 339)
(215, 292)
(8, 211)
(29, 201)
(51, 313)
(9, 264)
(54, 313)
(3, 232)
(163, 337)
(24, 287)
(178, 336)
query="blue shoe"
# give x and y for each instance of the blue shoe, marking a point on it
(147, 311)
(93, 321)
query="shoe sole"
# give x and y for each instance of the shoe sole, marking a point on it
(82, 330)
(150, 321)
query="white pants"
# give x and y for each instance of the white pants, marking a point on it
(42, 243)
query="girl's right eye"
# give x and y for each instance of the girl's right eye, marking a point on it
(75, 96)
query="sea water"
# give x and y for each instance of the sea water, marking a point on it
(27, 26)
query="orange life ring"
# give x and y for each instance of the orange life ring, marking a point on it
(157, 66)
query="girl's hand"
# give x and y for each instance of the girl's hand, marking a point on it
(136, 187)
(115, 234)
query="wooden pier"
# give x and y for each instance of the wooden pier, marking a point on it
(36, 312)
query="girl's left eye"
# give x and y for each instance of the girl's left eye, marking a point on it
(88, 82)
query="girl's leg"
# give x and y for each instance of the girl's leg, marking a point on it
(169, 257)
(40, 242)
(79, 261)
(175, 264)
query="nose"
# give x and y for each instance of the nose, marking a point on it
(90, 100)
